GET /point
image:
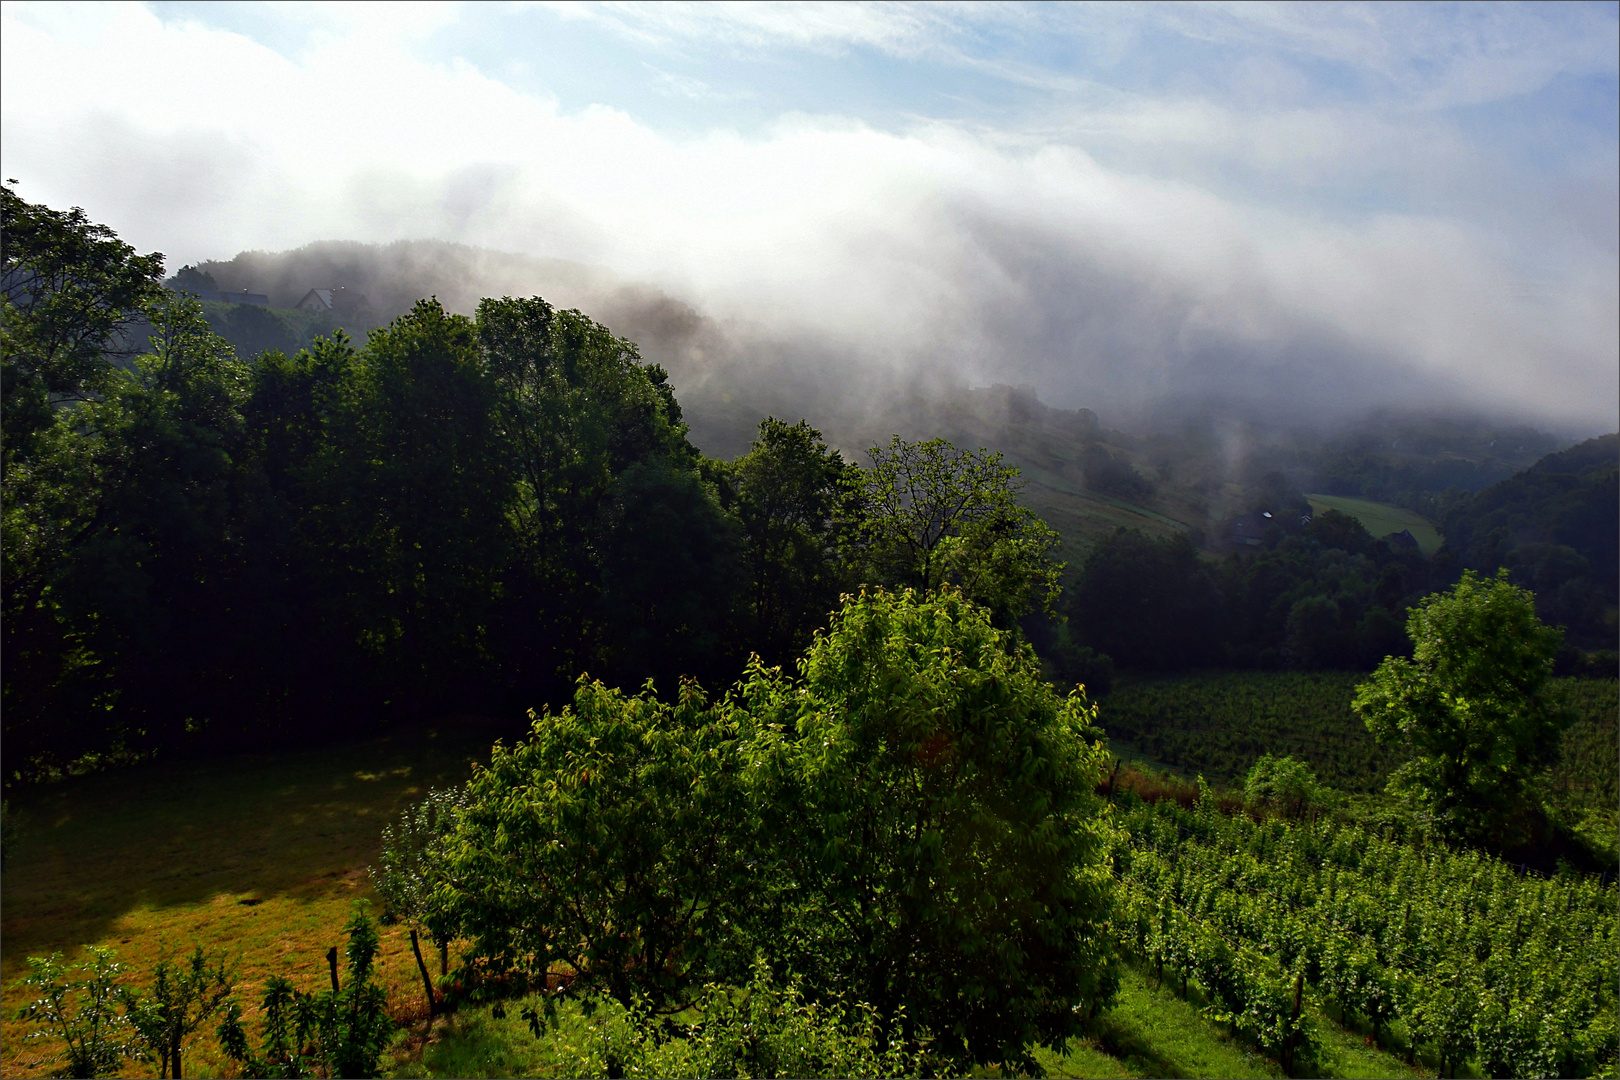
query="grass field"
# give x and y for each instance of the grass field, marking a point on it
(1381, 519)
(260, 856)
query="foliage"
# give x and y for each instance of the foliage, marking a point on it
(416, 498)
(69, 292)
(181, 999)
(1282, 785)
(931, 798)
(763, 1029)
(1146, 602)
(341, 1032)
(83, 1013)
(1470, 710)
(413, 853)
(1466, 954)
(790, 494)
(671, 575)
(932, 514)
(612, 844)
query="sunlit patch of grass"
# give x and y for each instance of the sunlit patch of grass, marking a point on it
(260, 856)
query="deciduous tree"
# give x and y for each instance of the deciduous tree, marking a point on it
(1470, 711)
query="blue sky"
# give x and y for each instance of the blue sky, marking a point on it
(1432, 187)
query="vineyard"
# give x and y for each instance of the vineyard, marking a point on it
(1441, 952)
(1218, 725)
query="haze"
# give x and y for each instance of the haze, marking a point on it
(1305, 210)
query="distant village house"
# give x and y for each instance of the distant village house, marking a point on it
(338, 302)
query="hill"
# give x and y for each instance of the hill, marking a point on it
(1556, 527)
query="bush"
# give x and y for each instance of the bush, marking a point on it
(764, 1029)
(1281, 785)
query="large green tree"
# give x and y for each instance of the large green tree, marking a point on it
(933, 514)
(941, 846)
(576, 409)
(1470, 711)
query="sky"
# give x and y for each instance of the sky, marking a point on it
(1321, 208)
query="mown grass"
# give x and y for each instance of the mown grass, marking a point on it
(1382, 519)
(259, 855)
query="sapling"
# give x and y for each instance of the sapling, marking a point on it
(83, 1013)
(181, 999)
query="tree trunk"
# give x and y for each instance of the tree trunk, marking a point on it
(444, 958)
(427, 982)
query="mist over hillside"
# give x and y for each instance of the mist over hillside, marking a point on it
(731, 373)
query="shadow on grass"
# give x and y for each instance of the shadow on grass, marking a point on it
(252, 826)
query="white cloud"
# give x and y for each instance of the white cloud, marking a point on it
(999, 253)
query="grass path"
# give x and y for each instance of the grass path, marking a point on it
(260, 855)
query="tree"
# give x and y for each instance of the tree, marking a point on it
(70, 292)
(671, 574)
(417, 493)
(607, 842)
(932, 803)
(576, 408)
(788, 493)
(1471, 709)
(71, 295)
(933, 514)
(181, 999)
(1146, 602)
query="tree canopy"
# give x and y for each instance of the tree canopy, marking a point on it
(1470, 709)
(911, 822)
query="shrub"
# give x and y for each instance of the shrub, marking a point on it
(341, 1032)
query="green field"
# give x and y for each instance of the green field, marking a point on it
(259, 855)
(1382, 520)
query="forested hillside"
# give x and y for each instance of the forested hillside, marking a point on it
(459, 514)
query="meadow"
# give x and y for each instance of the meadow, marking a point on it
(1382, 519)
(260, 856)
